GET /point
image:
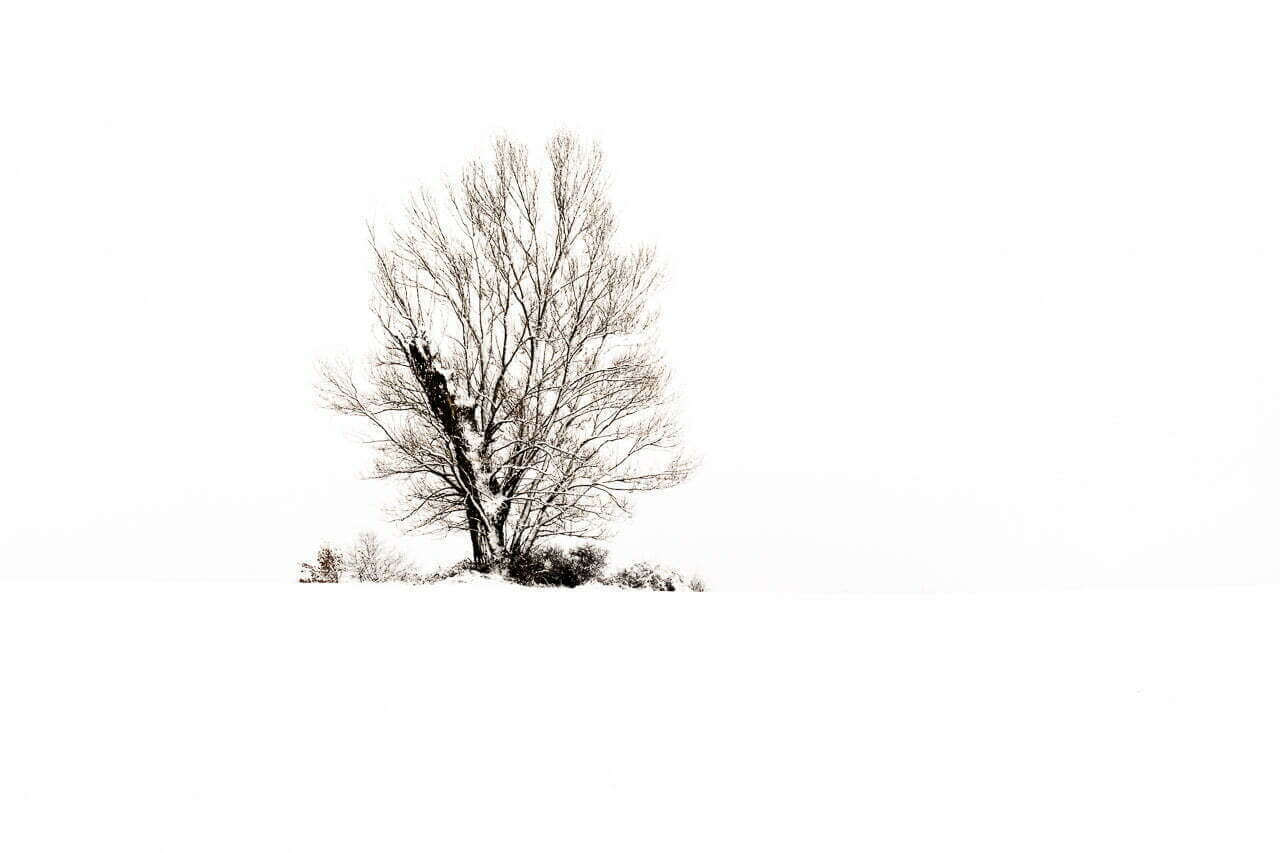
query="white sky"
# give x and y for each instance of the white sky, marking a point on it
(961, 295)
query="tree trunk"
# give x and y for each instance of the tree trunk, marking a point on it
(487, 546)
(479, 552)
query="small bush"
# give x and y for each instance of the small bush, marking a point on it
(369, 560)
(654, 577)
(467, 565)
(326, 569)
(551, 566)
(590, 558)
(444, 574)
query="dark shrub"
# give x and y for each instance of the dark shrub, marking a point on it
(551, 566)
(590, 558)
(642, 576)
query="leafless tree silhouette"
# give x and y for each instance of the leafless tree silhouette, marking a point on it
(370, 559)
(516, 391)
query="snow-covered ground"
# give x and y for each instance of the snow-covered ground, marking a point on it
(284, 717)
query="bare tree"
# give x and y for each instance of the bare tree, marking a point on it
(326, 569)
(516, 392)
(371, 560)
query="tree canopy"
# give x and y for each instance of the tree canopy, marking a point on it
(516, 391)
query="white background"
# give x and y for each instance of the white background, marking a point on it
(963, 297)
(148, 718)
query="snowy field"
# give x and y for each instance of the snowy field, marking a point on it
(237, 716)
